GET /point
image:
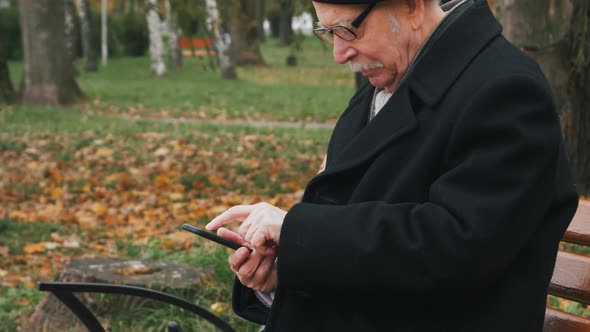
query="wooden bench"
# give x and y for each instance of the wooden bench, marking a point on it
(570, 280)
(571, 276)
(199, 47)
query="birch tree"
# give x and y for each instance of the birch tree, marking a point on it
(47, 74)
(222, 43)
(156, 44)
(557, 35)
(104, 31)
(172, 27)
(84, 15)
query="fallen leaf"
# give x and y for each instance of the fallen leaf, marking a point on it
(46, 269)
(4, 252)
(86, 220)
(136, 268)
(162, 152)
(23, 301)
(99, 209)
(35, 248)
(219, 307)
(57, 193)
(104, 152)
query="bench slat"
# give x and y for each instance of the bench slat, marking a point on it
(571, 277)
(578, 231)
(556, 320)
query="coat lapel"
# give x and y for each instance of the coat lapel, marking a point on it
(452, 48)
(353, 145)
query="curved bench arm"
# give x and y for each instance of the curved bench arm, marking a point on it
(64, 292)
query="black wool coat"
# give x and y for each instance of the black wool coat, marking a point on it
(444, 213)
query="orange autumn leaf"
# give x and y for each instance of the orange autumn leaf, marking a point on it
(46, 269)
(23, 301)
(217, 180)
(99, 208)
(162, 181)
(54, 174)
(57, 192)
(4, 251)
(35, 248)
(104, 152)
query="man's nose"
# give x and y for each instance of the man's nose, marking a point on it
(343, 51)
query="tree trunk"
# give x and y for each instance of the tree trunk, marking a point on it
(260, 6)
(90, 59)
(104, 31)
(171, 23)
(285, 27)
(244, 33)
(7, 94)
(70, 34)
(223, 43)
(555, 33)
(156, 44)
(47, 74)
(577, 132)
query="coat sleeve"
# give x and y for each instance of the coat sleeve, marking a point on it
(498, 181)
(246, 305)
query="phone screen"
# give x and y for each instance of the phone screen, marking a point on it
(212, 236)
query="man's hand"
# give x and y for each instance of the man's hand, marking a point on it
(260, 230)
(261, 225)
(254, 270)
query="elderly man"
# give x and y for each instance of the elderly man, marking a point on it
(445, 193)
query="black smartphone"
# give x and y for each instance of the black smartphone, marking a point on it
(212, 236)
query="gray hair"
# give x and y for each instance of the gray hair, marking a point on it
(394, 23)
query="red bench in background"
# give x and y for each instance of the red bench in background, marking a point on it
(201, 48)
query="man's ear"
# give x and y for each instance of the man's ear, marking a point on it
(416, 11)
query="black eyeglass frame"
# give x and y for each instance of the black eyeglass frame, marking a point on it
(320, 32)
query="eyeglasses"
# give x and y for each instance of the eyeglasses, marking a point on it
(344, 32)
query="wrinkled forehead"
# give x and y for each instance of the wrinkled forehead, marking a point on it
(346, 2)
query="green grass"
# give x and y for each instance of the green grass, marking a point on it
(316, 90)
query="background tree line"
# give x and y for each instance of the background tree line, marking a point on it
(554, 33)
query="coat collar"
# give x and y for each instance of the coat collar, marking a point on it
(467, 30)
(446, 54)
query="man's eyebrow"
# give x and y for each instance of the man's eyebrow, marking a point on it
(319, 25)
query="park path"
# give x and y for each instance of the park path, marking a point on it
(249, 123)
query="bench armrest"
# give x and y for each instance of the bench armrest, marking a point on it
(64, 292)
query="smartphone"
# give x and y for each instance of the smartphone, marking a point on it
(212, 236)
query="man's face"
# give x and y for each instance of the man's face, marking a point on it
(385, 43)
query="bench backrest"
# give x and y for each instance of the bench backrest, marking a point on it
(571, 276)
(195, 42)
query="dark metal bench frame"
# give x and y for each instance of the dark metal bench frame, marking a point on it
(64, 291)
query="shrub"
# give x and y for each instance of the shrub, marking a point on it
(135, 37)
(10, 32)
(127, 35)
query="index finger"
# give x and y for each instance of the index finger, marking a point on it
(234, 213)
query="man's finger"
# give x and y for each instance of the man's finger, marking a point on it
(235, 213)
(233, 236)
